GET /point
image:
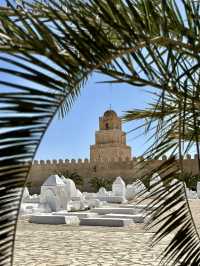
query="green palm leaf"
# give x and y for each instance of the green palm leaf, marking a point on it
(38, 84)
(55, 46)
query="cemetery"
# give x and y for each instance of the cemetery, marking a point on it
(73, 227)
(68, 224)
(60, 202)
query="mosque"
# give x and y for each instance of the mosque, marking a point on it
(110, 157)
(110, 140)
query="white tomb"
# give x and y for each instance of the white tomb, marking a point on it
(32, 208)
(70, 187)
(130, 192)
(119, 187)
(79, 194)
(53, 193)
(157, 184)
(133, 190)
(102, 192)
(27, 198)
(198, 189)
(156, 179)
(89, 196)
(26, 195)
(174, 181)
(191, 194)
(93, 203)
(139, 186)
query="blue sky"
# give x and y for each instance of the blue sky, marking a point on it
(72, 136)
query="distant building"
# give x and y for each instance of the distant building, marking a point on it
(110, 140)
(110, 157)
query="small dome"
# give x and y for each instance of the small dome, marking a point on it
(70, 187)
(110, 113)
(102, 190)
(53, 180)
(69, 182)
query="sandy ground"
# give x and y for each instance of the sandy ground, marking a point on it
(60, 245)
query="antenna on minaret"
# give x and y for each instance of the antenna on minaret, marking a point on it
(110, 94)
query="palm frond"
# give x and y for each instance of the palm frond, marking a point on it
(138, 42)
(33, 88)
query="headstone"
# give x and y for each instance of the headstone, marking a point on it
(174, 181)
(116, 199)
(156, 184)
(119, 187)
(32, 199)
(130, 192)
(198, 189)
(89, 196)
(155, 179)
(43, 208)
(30, 208)
(93, 203)
(79, 196)
(26, 195)
(74, 206)
(25, 192)
(102, 192)
(139, 186)
(77, 205)
(191, 194)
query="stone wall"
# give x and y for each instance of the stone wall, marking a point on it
(130, 170)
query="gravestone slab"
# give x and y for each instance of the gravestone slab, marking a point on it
(107, 210)
(137, 218)
(102, 221)
(54, 219)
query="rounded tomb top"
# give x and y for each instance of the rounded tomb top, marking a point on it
(69, 183)
(53, 180)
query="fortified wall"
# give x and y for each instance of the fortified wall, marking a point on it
(130, 170)
(110, 157)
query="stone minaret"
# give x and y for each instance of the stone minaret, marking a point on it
(110, 140)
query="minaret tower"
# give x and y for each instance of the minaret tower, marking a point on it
(110, 140)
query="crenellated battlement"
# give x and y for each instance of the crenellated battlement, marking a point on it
(110, 157)
(127, 168)
(60, 161)
(87, 161)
